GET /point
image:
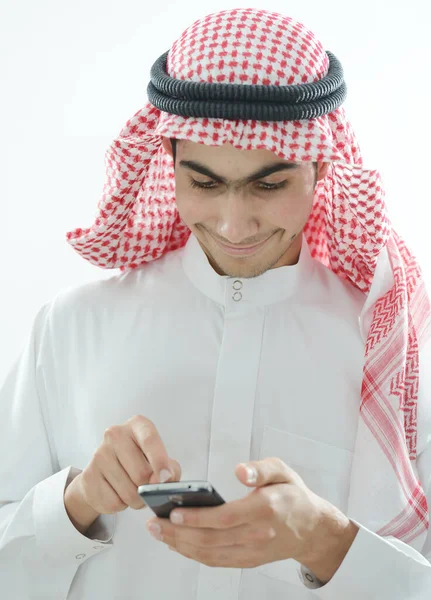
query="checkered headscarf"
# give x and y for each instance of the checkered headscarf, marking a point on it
(348, 231)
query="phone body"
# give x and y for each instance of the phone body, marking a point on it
(164, 497)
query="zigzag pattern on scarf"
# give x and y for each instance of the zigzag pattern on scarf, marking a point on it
(386, 310)
(405, 385)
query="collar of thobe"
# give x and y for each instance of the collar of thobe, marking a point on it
(275, 285)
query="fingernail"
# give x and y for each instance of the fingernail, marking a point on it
(155, 531)
(176, 518)
(165, 475)
(251, 474)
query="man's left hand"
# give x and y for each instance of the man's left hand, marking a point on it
(280, 519)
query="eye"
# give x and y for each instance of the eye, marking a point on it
(203, 185)
(268, 187)
(262, 185)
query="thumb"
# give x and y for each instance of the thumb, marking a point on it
(262, 472)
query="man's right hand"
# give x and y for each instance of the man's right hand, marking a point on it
(131, 455)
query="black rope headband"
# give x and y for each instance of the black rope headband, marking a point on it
(247, 102)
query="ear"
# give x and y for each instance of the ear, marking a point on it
(166, 143)
(322, 170)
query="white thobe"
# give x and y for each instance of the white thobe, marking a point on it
(229, 370)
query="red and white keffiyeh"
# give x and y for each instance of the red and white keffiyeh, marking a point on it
(348, 231)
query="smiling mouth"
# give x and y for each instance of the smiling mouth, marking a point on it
(240, 251)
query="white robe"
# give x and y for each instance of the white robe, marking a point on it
(229, 370)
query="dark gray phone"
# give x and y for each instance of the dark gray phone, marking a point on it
(164, 497)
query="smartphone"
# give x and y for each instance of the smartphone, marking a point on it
(164, 497)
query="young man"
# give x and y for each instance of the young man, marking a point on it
(269, 332)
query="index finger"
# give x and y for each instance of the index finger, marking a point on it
(148, 439)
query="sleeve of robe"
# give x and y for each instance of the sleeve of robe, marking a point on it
(40, 549)
(378, 568)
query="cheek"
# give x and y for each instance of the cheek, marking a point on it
(192, 210)
(291, 210)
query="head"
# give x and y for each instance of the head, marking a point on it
(242, 198)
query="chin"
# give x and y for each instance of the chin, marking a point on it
(243, 268)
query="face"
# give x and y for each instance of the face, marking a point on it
(242, 198)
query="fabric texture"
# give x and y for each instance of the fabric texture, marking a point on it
(348, 230)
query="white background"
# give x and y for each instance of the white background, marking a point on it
(73, 73)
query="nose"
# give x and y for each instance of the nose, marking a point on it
(237, 222)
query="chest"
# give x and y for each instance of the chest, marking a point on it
(221, 388)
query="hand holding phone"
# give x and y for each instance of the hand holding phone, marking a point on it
(164, 497)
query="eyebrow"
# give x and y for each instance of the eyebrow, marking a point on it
(263, 172)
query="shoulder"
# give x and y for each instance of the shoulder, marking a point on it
(115, 295)
(335, 293)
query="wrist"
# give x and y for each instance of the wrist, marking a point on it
(336, 535)
(81, 514)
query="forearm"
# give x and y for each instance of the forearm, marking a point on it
(378, 568)
(40, 550)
